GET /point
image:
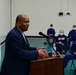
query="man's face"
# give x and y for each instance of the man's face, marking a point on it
(61, 31)
(24, 24)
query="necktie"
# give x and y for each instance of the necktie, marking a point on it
(25, 38)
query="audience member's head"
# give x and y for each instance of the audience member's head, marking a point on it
(51, 25)
(61, 32)
(74, 27)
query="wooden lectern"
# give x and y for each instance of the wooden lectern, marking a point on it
(47, 66)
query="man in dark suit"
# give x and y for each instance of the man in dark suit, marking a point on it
(18, 53)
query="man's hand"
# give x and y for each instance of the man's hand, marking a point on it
(74, 53)
(40, 48)
(42, 53)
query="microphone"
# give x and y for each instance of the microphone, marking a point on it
(40, 33)
(48, 40)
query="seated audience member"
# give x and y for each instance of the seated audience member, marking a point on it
(51, 32)
(61, 42)
(71, 55)
(72, 35)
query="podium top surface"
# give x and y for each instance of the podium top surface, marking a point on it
(58, 56)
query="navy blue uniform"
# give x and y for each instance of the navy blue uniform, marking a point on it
(61, 43)
(51, 31)
(71, 55)
(71, 36)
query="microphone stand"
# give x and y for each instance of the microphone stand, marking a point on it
(47, 39)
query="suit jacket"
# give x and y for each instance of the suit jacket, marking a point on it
(17, 54)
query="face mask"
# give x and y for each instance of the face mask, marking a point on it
(61, 34)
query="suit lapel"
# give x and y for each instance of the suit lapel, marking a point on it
(26, 42)
(25, 39)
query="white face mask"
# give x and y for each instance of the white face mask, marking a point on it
(61, 34)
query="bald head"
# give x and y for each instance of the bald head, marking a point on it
(61, 31)
(20, 17)
(22, 22)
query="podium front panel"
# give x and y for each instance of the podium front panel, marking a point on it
(47, 66)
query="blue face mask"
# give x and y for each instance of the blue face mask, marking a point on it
(61, 34)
